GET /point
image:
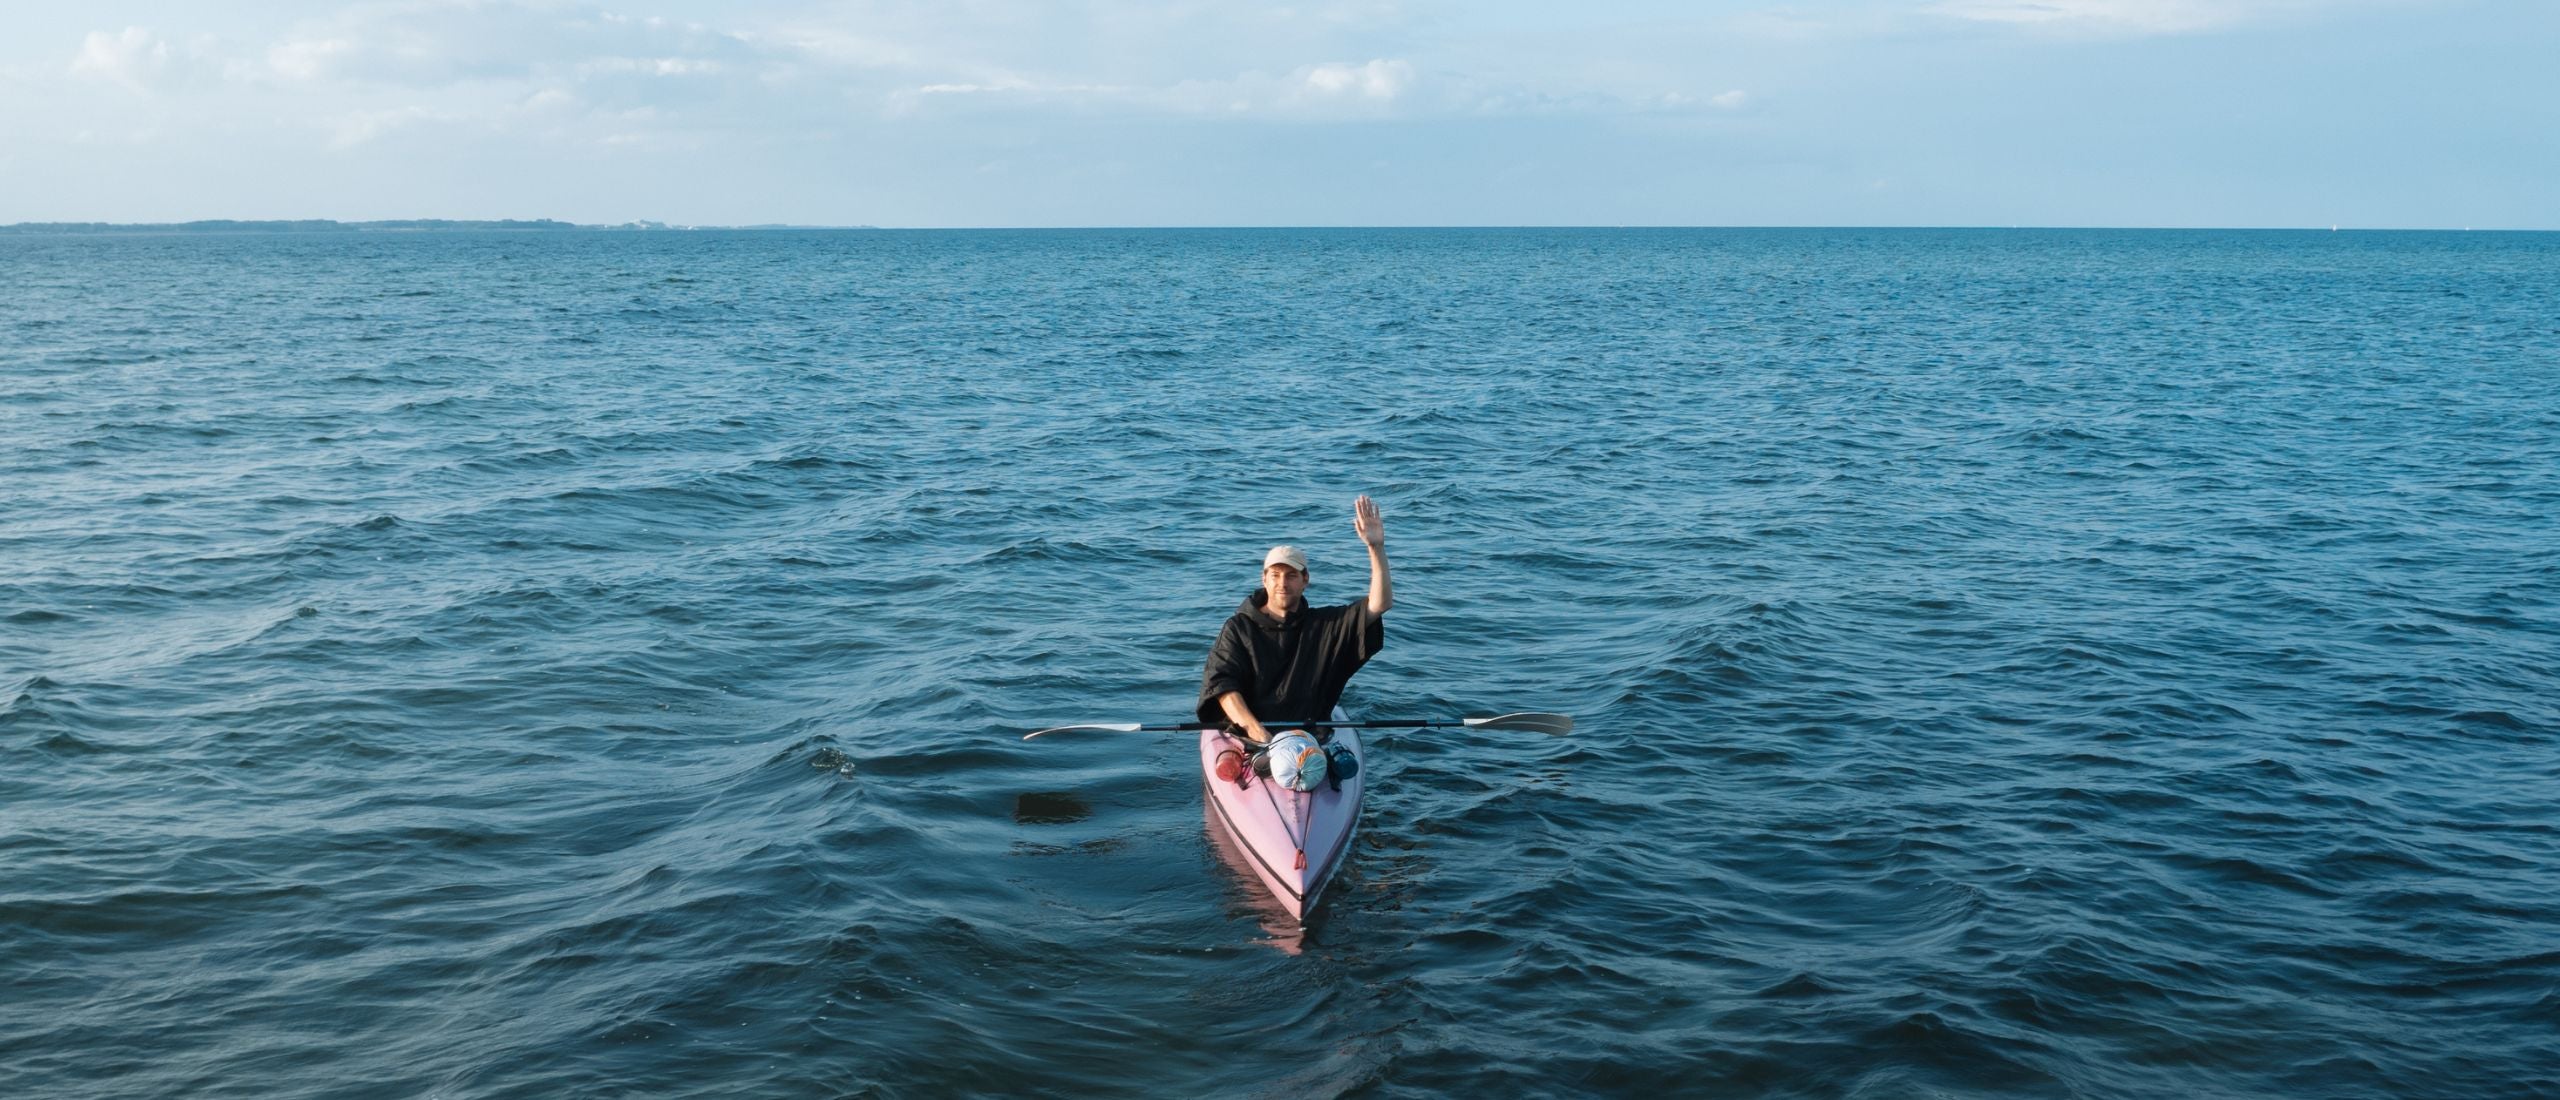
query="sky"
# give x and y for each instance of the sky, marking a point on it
(2241, 113)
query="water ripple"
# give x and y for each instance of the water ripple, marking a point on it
(2040, 664)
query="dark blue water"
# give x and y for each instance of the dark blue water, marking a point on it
(2008, 663)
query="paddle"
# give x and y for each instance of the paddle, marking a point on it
(1555, 724)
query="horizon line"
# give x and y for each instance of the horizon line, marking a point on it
(536, 225)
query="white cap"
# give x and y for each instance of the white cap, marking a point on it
(1289, 556)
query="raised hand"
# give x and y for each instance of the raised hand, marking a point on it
(1364, 519)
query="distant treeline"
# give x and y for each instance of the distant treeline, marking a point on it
(405, 225)
(309, 225)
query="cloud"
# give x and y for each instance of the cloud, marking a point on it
(653, 66)
(1380, 80)
(361, 127)
(1852, 19)
(439, 45)
(1332, 91)
(576, 73)
(2134, 17)
(1325, 90)
(133, 57)
(308, 59)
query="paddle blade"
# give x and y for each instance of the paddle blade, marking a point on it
(1555, 724)
(1108, 727)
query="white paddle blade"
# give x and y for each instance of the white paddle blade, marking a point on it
(1111, 727)
(1555, 724)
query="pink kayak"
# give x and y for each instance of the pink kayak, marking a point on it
(1293, 840)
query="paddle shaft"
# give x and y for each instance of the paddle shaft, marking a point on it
(1544, 723)
(1386, 724)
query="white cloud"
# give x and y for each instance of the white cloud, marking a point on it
(1333, 89)
(571, 72)
(1729, 101)
(426, 46)
(308, 59)
(1852, 19)
(362, 127)
(650, 66)
(1379, 80)
(134, 57)
(2136, 17)
(831, 46)
(548, 99)
(999, 85)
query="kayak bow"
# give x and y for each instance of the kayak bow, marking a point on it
(1294, 841)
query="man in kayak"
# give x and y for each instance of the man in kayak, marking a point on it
(1279, 661)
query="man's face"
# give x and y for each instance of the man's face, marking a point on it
(1284, 584)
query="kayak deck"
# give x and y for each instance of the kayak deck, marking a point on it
(1275, 826)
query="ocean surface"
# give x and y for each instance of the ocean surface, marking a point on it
(2008, 663)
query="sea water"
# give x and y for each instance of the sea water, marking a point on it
(2099, 664)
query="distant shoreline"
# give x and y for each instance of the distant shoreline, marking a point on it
(551, 225)
(405, 225)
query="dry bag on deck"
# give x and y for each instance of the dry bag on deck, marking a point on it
(1297, 762)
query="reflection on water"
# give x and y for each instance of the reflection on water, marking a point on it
(1248, 894)
(1049, 808)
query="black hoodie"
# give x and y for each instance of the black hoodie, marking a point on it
(1290, 670)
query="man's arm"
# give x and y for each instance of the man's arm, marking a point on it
(1373, 531)
(1222, 681)
(1242, 715)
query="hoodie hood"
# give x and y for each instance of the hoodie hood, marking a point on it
(1256, 608)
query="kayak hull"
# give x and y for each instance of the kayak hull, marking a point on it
(1273, 826)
